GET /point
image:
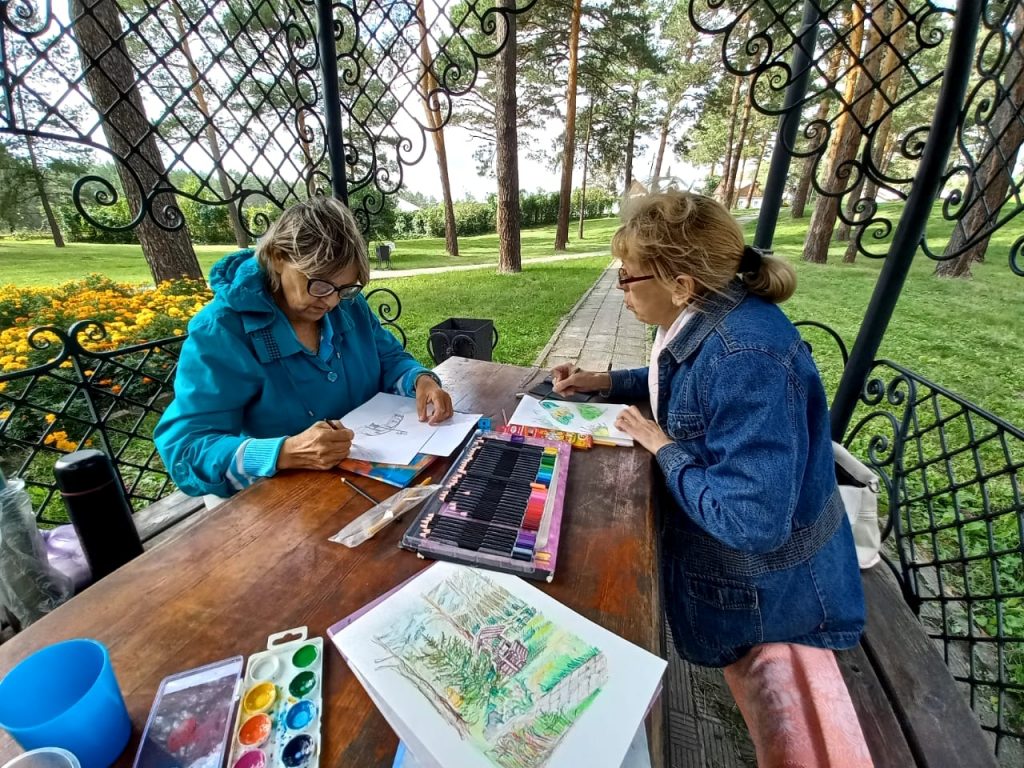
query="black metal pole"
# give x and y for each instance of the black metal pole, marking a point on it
(789, 123)
(332, 98)
(915, 215)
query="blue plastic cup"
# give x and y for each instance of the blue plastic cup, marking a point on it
(66, 695)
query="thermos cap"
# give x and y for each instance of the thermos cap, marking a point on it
(82, 471)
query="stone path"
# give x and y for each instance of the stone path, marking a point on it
(703, 726)
(599, 332)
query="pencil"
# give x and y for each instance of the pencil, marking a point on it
(329, 423)
(359, 490)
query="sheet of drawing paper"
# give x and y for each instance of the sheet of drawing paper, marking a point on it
(638, 756)
(475, 668)
(597, 419)
(388, 430)
(448, 435)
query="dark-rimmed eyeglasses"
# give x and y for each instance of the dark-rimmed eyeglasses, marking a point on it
(321, 289)
(625, 279)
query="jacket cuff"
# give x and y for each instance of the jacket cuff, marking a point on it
(671, 458)
(259, 457)
(627, 384)
(407, 384)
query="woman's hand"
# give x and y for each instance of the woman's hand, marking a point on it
(568, 380)
(432, 401)
(319, 447)
(644, 431)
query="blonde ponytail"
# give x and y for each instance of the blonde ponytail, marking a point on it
(774, 280)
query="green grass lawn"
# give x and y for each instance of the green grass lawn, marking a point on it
(37, 262)
(525, 307)
(967, 335)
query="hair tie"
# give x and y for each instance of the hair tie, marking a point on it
(751, 260)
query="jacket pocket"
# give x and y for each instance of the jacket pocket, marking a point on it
(685, 426)
(724, 614)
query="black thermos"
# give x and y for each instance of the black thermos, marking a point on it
(98, 509)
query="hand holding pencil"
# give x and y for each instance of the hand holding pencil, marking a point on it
(567, 379)
(322, 446)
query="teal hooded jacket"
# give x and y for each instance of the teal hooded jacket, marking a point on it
(245, 382)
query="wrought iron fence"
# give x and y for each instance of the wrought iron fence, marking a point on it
(243, 106)
(111, 399)
(954, 505)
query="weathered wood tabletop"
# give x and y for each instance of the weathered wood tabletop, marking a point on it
(262, 563)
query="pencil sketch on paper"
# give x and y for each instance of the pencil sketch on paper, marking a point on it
(389, 427)
(511, 682)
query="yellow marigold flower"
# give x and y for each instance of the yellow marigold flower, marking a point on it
(5, 415)
(50, 418)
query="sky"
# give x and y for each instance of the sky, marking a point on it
(533, 174)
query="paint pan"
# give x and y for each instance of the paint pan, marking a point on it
(278, 722)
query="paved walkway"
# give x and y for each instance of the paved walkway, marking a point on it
(599, 333)
(703, 725)
(381, 274)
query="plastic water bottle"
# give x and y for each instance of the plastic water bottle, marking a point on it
(29, 587)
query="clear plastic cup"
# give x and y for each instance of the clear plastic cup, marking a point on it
(66, 695)
(47, 757)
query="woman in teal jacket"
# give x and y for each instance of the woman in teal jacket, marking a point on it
(287, 346)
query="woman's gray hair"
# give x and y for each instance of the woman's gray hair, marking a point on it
(318, 237)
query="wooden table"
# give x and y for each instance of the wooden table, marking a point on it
(262, 563)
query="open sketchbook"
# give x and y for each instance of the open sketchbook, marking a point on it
(479, 669)
(596, 419)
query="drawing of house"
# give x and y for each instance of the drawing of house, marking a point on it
(508, 656)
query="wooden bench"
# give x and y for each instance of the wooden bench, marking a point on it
(909, 707)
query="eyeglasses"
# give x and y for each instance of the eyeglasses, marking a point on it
(321, 289)
(625, 279)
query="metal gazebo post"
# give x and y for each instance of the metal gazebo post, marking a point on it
(332, 98)
(915, 215)
(789, 124)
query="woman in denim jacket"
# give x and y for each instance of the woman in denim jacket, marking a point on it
(758, 556)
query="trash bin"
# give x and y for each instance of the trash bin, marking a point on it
(384, 255)
(462, 337)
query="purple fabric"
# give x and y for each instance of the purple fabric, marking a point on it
(64, 552)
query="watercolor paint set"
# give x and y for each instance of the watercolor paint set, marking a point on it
(278, 722)
(499, 507)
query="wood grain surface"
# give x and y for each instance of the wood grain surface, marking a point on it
(262, 563)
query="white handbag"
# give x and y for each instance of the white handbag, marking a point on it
(858, 486)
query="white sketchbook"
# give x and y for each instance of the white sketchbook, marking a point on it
(480, 669)
(388, 430)
(597, 419)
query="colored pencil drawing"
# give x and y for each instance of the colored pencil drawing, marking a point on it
(511, 682)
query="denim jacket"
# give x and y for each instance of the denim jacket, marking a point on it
(756, 546)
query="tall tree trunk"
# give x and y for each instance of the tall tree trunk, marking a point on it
(44, 197)
(507, 148)
(730, 147)
(663, 140)
(37, 175)
(433, 112)
(803, 188)
(757, 171)
(569, 149)
(891, 74)
(737, 176)
(586, 160)
(995, 167)
(634, 106)
(241, 236)
(110, 78)
(845, 142)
